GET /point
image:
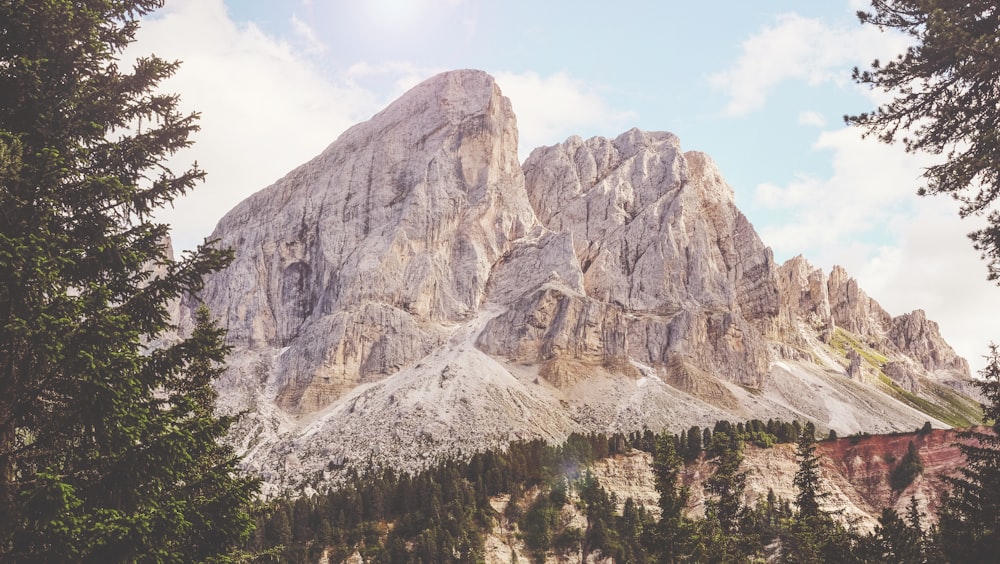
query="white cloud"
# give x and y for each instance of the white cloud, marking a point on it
(307, 35)
(932, 266)
(550, 109)
(809, 117)
(264, 107)
(907, 252)
(802, 49)
(871, 183)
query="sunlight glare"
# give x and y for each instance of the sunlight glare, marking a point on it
(394, 14)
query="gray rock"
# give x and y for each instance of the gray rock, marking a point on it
(413, 292)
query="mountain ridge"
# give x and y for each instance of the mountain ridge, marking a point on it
(415, 292)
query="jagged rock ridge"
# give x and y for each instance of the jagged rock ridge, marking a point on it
(413, 291)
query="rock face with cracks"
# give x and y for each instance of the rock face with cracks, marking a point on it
(414, 292)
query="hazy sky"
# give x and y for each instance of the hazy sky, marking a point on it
(761, 86)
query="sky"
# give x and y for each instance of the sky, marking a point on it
(762, 87)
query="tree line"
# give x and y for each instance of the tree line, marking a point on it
(443, 514)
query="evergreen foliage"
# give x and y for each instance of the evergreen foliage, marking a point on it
(443, 514)
(673, 530)
(807, 476)
(946, 101)
(108, 448)
(907, 470)
(970, 516)
(385, 517)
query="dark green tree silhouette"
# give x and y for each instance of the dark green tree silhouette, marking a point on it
(969, 519)
(909, 467)
(946, 101)
(896, 541)
(108, 447)
(670, 540)
(806, 479)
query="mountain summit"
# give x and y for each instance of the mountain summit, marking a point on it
(414, 292)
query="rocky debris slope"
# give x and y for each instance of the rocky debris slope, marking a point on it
(854, 473)
(414, 292)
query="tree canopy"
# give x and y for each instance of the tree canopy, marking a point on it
(108, 446)
(945, 101)
(970, 515)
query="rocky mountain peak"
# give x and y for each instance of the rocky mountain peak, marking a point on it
(921, 338)
(413, 291)
(351, 263)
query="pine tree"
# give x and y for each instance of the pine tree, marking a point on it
(907, 470)
(669, 541)
(725, 513)
(108, 449)
(630, 529)
(895, 541)
(945, 101)
(807, 476)
(727, 483)
(693, 445)
(969, 520)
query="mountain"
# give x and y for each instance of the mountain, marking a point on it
(414, 292)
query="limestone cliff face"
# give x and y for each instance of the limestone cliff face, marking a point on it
(921, 339)
(911, 344)
(852, 309)
(805, 293)
(415, 292)
(664, 254)
(355, 259)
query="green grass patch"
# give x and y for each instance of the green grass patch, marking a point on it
(953, 409)
(938, 401)
(843, 341)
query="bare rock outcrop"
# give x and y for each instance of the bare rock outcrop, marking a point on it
(853, 310)
(920, 338)
(355, 259)
(805, 293)
(414, 292)
(659, 238)
(854, 472)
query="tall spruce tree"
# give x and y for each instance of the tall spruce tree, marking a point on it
(969, 520)
(806, 479)
(108, 448)
(670, 540)
(945, 101)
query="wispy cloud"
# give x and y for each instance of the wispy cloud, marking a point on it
(809, 117)
(870, 184)
(795, 48)
(551, 108)
(308, 36)
(265, 108)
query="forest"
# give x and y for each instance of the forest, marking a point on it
(444, 513)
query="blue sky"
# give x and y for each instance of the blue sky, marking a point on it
(760, 86)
